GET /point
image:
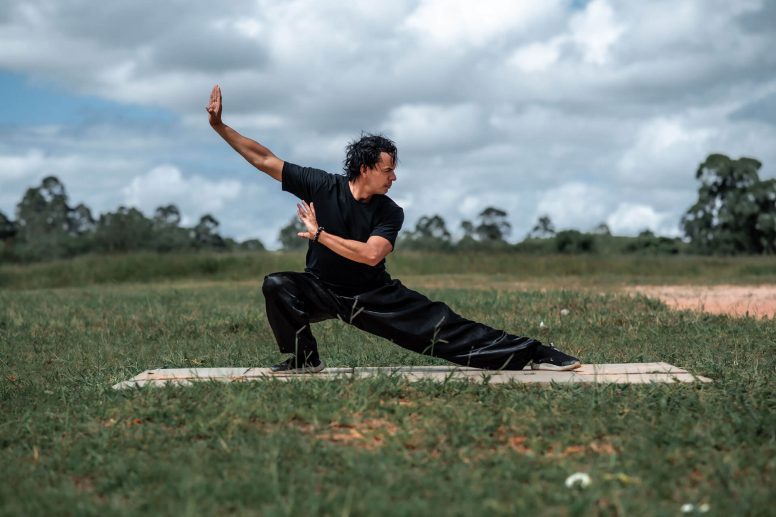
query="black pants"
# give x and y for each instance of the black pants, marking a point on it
(394, 312)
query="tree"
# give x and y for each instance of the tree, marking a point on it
(168, 235)
(430, 233)
(735, 211)
(573, 241)
(8, 231)
(468, 229)
(252, 245)
(206, 235)
(647, 243)
(543, 229)
(167, 216)
(80, 220)
(7, 227)
(45, 221)
(288, 237)
(602, 229)
(126, 229)
(493, 227)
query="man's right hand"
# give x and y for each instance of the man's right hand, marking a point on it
(214, 107)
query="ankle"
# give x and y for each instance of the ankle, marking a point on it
(308, 357)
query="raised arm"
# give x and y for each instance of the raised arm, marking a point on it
(256, 154)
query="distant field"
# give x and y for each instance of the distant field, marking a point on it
(493, 267)
(70, 444)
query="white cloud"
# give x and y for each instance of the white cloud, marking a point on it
(530, 106)
(13, 167)
(194, 195)
(537, 57)
(430, 127)
(595, 30)
(633, 218)
(665, 152)
(451, 22)
(574, 205)
(245, 26)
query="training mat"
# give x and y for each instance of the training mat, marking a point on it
(623, 373)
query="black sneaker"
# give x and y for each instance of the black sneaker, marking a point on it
(291, 365)
(547, 357)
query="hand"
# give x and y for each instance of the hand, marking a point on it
(306, 214)
(214, 107)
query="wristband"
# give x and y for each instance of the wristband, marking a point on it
(318, 233)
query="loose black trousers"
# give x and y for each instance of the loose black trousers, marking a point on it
(394, 312)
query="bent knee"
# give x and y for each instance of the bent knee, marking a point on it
(273, 283)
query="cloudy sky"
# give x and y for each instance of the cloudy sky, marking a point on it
(587, 111)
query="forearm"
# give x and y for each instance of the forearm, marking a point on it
(255, 153)
(356, 251)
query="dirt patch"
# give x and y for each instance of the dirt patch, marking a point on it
(758, 301)
(369, 433)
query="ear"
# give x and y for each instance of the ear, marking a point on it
(363, 169)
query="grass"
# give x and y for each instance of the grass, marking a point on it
(239, 266)
(71, 445)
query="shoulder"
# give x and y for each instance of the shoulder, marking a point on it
(298, 170)
(389, 208)
(298, 179)
(391, 204)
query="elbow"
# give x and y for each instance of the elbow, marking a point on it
(258, 162)
(372, 259)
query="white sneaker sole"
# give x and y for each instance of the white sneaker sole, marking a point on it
(306, 369)
(553, 368)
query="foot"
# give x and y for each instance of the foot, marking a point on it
(547, 357)
(293, 365)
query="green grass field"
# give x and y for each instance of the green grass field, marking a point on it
(69, 444)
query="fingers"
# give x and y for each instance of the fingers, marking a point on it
(215, 100)
(215, 95)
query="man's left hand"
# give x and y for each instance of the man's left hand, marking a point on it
(306, 214)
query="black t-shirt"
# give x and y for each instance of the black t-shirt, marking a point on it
(341, 214)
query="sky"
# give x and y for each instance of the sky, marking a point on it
(590, 112)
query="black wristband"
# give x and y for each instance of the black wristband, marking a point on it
(318, 233)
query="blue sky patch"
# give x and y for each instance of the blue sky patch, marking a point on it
(35, 104)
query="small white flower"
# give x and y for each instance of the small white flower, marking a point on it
(688, 507)
(542, 325)
(564, 312)
(578, 478)
(704, 508)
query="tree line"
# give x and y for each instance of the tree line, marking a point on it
(735, 213)
(47, 227)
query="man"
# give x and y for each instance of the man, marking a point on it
(352, 226)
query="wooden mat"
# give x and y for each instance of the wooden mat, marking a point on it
(625, 373)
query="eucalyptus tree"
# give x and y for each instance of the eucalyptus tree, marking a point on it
(735, 211)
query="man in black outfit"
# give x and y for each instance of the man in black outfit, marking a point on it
(351, 226)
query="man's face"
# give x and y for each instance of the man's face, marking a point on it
(380, 177)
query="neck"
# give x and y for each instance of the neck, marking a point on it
(359, 191)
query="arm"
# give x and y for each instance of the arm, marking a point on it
(256, 154)
(371, 252)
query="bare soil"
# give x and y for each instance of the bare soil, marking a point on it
(758, 301)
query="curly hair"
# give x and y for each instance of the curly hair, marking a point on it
(366, 151)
